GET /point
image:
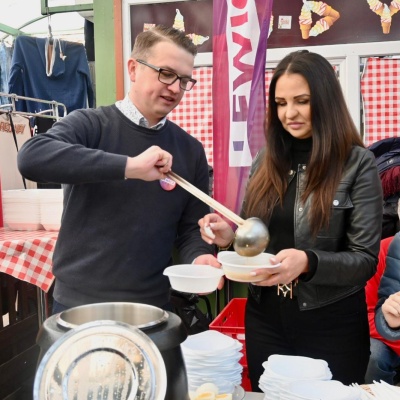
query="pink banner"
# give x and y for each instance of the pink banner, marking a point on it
(240, 31)
(1, 206)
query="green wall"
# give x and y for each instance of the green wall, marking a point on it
(106, 91)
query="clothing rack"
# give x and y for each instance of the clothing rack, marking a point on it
(54, 106)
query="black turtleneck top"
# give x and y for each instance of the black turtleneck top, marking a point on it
(281, 225)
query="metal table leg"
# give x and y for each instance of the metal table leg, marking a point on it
(42, 304)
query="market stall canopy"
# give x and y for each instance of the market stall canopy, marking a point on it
(34, 17)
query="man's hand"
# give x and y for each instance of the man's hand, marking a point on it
(150, 165)
(209, 259)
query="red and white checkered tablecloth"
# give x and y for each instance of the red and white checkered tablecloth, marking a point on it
(380, 89)
(27, 255)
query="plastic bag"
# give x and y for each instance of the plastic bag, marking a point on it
(185, 305)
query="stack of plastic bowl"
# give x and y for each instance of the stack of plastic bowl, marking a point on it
(51, 208)
(32, 209)
(21, 210)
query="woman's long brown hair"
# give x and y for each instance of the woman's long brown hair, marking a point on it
(333, 135)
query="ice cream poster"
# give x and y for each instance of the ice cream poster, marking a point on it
(335, 22)
(192, 17)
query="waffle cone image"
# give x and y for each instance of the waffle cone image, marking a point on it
(197, 39)
(330, 12)
(329, 20)
(386, 27)
(305, 30)
(393, 10)
(379, 11)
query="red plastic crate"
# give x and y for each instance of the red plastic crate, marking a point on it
(230, 322)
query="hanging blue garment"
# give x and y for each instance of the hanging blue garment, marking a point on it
(58, 72)
(5, 66)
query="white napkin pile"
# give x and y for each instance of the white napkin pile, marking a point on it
(209, 355)
(302, 378)
(319, 390)
(383, 391)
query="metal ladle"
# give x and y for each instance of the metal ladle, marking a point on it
(251, 236)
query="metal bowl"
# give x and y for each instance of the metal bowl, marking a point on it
(141, 316)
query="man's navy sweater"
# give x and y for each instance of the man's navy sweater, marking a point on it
(117, 235)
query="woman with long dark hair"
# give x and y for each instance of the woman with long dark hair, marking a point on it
(317, 189)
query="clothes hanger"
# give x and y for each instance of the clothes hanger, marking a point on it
(50, 34)
(52, 42)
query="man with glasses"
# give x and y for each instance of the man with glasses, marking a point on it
(122, 216)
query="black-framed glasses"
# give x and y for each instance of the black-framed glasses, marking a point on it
(169, 77)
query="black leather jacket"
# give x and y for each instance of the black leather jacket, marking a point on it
(347, 252)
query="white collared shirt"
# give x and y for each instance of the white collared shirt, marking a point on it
(130, 111)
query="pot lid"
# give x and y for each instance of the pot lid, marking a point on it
(102, 360)
(142, 316)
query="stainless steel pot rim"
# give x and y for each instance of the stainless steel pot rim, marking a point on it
(65, 318)
(100, 353)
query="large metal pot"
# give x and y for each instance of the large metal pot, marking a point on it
(164, 328)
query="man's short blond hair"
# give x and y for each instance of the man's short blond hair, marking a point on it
(146, 40)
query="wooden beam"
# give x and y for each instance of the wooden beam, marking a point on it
(118, 39)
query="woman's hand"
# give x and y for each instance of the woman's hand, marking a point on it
(291, 263)
(215, 230)
(391, 310)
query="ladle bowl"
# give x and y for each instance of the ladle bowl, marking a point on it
(251, 238)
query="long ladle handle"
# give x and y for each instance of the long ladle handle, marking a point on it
(226, 212)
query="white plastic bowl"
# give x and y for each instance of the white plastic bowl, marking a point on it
(237, 268)
(192, 278)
